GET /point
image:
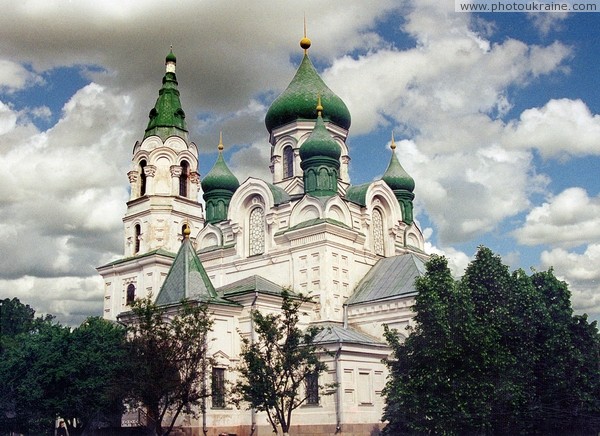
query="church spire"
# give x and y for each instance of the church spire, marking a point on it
(167, 118)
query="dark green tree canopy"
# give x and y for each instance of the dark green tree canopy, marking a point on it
(493, 353)
(48, 370)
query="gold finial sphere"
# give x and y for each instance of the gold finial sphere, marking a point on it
(220, 146)
(319, 105)
(393, 144)
(305, 43)
(186, 231)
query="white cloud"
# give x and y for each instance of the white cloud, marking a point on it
(14, 76)
(581, 272)
(467, 194)
(547, 22)
(71, 299)
(457, 260)
(8, 119)
(569, 219)
(560, 127)
(63, 191)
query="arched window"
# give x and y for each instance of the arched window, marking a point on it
(257, 231)
(288, 162)
(130, 294)
(136, 239)
(183, 178)
(142, 178)
(378, 241)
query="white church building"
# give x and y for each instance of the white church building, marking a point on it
(355, 248)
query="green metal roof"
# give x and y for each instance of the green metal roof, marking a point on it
(390, 277)
(159, 251)
(254, 283)
(335, 333)
(187, 280)
(167, 118)
(298, 100)
(358, 194)
(280, 196)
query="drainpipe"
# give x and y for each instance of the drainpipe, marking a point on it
(338, 393)
(203, 406)
(252, 337)
(338, 375)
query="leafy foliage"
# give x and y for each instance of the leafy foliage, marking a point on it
(494, 353)
(47, 370)
(276, 364)
(168, 358)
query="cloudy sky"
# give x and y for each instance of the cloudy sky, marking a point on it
(495, 116)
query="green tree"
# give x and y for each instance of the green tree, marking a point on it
(567, 371)
(32, 378)
(47, 370)
(276, 364)
(95, 367)
(168, 358)
(494, 353)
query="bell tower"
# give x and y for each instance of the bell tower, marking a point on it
(164, 183)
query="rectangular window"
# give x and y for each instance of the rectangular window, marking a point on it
(218, 387)
(312, 389)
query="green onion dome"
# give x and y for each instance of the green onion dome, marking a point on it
(220, 178)
(171, 57)
(297, 101)
(320, 143)
(395, 176)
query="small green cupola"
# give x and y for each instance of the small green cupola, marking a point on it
(297, 101)
(219, 186)
(402, 184)
(167, 118)
(320, 160)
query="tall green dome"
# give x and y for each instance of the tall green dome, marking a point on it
(396, 176)
(320, 143)
(320, 160)
(402, 184)
(219, 186)
(167, 118)
(297, 101)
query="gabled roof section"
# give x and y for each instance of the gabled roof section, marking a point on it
(187, 280)
(335, 333)
(253, 283)
(390, 277)
(314, 222)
